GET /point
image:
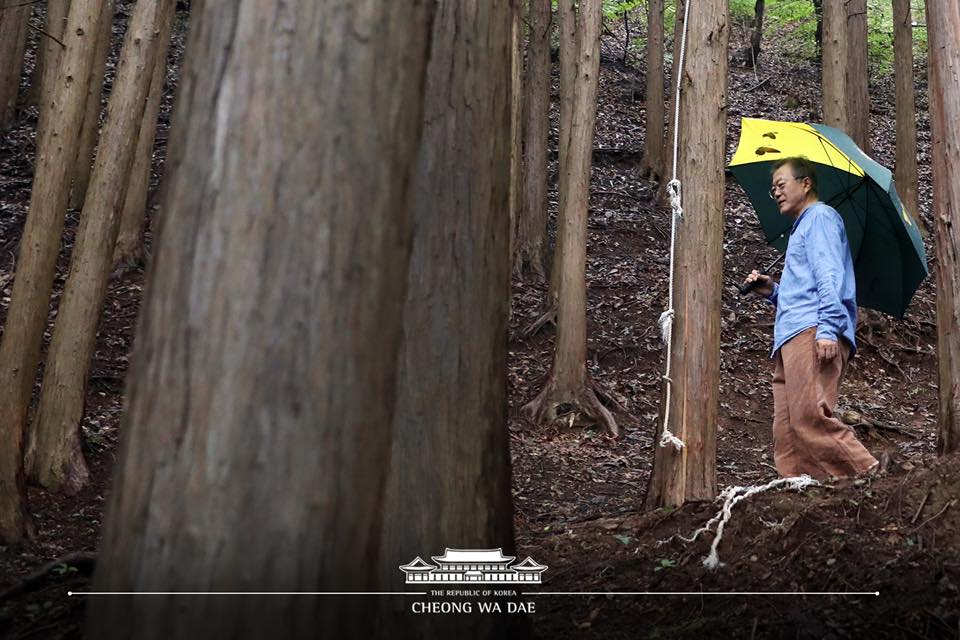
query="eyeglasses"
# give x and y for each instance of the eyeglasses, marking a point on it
(780, 186)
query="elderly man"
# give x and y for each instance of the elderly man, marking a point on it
(813, 335)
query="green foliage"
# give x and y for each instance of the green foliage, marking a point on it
(613, 9)
(665, 563)
(63, 569)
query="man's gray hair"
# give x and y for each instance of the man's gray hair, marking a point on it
(801, 168)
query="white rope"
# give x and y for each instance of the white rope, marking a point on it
(676, 208)
(730, 497)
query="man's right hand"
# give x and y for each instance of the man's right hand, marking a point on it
(764, 283)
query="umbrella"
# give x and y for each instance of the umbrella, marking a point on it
(888, 255)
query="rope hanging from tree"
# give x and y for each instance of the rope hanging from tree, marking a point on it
(674, 192)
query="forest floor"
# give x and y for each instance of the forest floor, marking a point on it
(578, 495)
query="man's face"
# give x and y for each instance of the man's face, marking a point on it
(790, 193)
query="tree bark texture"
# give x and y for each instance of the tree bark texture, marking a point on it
(906, 162)
(261, 397)
(449, 481)
(516, 120)
(13, 41)
(128, 249)
(667, 171)
(532, 227)
(653, 141)
(54, 458)
(858, 74)
(90, 130)
(834, 64)
(690, 474)
(943, 24)
(46, 69)
(569, 47)
(571, 349)
(60, 118)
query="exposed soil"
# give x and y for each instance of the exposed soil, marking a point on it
(578, 494)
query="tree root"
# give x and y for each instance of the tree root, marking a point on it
(83, 561)
(543, 408)
(855, 420)
(550, 316)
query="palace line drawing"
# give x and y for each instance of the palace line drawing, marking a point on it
(473, 565)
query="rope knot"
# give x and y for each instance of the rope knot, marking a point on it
(674, 192)
(666, 325)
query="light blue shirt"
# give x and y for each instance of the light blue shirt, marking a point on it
(817, 288)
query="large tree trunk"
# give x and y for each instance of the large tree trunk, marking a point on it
(858, 74)
(530, 250)
(60, 118)
(54, 458)
(906, 167)
(653, 149)
(568, 381)
(943, 23)
(449, 482)
(128, 249)
(261, 399)
(834, 64)
(690, 473)
(13, 41)
(46, 69)
(90, 130)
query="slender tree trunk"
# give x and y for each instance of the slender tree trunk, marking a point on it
(691, 472)
(128, 249)
(569, 47)
(261, 399)
(54, 458)
(943, 24)
(906, 167)
(13, 41)
(449, 481)
(568, 381)
(532, 227)
(858, 74)
(757, 38)
(818, 36)
(46, 69)
(653, 150)
(516, 120)
(90, 130)
(667, 171)
(834, 64)
(60, 119)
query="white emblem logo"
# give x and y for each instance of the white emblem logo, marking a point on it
(473, 565)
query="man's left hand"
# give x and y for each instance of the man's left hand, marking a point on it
(826, 350)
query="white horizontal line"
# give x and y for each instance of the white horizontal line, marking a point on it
(701, 593)
(423, 593)
(246, 593)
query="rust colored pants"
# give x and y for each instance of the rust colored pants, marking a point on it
(807, 438)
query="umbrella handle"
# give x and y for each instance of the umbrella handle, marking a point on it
(750, 286)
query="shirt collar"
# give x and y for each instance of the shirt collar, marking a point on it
(802, 213)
